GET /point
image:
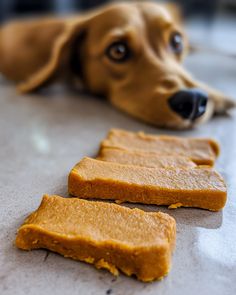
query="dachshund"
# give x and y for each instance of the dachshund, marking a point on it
(130, 53)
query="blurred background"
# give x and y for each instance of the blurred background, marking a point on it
(10, 8)
(212, 23)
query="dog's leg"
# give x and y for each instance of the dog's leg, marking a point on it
(221, 102)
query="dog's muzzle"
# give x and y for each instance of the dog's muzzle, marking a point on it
(189, 104)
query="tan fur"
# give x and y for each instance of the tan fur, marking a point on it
(35, 51)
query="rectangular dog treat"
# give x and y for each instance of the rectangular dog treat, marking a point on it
(196, 187)
(202, 151)
(104, 234)
(144, 159)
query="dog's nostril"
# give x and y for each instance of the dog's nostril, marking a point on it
(185, 107)
(189, 104)
(202, 105)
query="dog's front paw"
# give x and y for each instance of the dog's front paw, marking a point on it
(222, 104)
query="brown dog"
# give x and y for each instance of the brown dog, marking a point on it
(130, 53)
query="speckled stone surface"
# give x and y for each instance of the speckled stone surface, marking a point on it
(43, 135)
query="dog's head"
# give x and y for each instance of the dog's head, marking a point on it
(131, 53)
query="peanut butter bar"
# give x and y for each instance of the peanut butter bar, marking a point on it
(196, 187)
(104, 234)
(144, 159)
(202, 151)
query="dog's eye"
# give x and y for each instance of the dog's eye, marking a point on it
(176, 43)
(118, 52)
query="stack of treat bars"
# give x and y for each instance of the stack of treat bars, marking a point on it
(130, 167)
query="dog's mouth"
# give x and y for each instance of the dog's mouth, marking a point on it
(189, 104)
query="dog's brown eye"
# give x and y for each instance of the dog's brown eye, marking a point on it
(118, 52)
(176, 43)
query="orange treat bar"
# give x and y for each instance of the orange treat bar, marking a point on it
(197, 187)
(202, 151)
(144, 159)
(104, 234)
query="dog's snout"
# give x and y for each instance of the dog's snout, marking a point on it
(189, 104)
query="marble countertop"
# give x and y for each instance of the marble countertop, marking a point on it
(43, 135)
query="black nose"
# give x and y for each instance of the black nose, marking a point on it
(189, 104)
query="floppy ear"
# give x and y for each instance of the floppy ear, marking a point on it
(31, 52)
